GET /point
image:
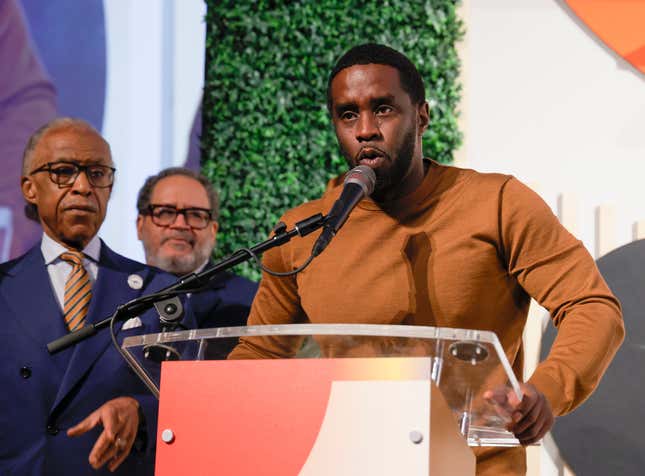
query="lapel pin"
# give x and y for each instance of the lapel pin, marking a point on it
(135, 281)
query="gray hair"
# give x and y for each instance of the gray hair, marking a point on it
(143, 200)
(59, 123)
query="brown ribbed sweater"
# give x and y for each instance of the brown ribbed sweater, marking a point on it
(465, 250)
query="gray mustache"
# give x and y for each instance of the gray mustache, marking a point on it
(180, 236)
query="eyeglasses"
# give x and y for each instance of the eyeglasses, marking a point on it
(64, 174)
(164, 215)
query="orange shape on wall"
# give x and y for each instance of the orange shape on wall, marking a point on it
(620, 24)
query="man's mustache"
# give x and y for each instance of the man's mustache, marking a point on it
(368, 150)
(178, 236)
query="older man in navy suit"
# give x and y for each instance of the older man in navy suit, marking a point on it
(83, 409)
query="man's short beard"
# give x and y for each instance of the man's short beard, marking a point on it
(398, 170)
(183, 264)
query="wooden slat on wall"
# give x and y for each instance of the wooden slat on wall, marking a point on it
(568, 212)
(638, 230)
(605, 230)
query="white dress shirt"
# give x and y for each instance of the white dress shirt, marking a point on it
(59, 270)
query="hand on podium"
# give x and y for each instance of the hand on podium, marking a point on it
(530, 418)
(120, 420)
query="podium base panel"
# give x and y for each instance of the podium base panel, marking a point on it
(307, 417)
(449, 452)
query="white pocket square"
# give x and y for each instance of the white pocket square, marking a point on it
(131, 323)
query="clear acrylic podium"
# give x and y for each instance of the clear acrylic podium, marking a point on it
(340, 392)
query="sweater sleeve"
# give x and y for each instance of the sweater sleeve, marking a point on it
(276, 302)
(556, 270)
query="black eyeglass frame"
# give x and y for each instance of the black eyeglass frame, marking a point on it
(79, 168)
(149, 211)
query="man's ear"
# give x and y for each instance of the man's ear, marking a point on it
(29, 191)
(424, 117)
(215, 226)
(140, 227)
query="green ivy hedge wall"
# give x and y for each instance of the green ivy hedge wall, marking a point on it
(267, 140)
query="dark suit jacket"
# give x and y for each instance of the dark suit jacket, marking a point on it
(225, 303)
(44, 395)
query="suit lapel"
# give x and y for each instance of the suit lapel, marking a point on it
(213, 286)
(28, 293)
(109, 291)
(202, 303)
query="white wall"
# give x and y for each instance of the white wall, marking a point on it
(155, 68)
(548, 102)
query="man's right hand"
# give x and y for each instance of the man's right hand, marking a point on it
(120, 420)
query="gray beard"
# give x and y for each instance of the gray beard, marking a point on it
(180, 265)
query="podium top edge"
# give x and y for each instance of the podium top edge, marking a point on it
(372, 330)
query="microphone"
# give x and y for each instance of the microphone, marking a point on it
(359, 183)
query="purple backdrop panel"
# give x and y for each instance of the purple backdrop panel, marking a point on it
(53, 59)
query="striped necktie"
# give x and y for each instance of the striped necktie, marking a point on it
(78, 291)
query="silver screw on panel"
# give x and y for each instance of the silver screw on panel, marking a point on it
(167, 436)
(416, 437)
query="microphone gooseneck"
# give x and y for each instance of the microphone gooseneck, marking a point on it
(359, 183)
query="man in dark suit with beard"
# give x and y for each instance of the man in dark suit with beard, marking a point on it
(177, 224)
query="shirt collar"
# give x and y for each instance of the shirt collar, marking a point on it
(52, 249)
(201, 268)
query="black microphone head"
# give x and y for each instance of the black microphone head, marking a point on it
(363, 176)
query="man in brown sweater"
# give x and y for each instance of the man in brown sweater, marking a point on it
(441, 246)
